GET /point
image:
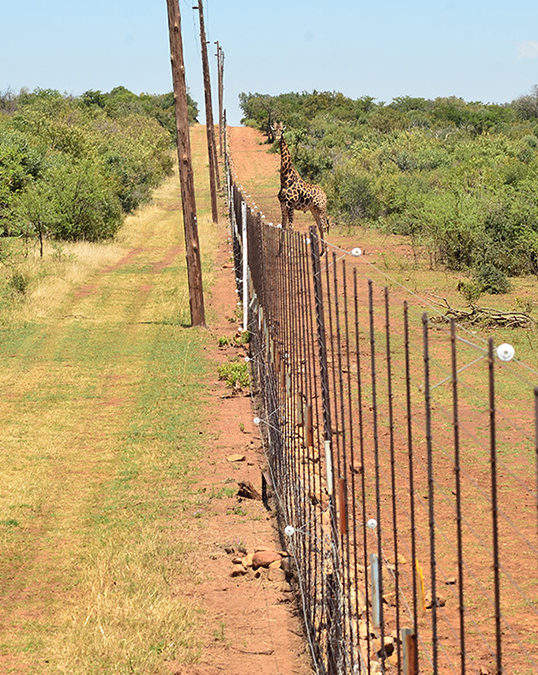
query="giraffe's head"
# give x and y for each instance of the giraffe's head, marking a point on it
(278, 129)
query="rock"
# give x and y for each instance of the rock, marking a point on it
(277, 564)
(286, 565)
(264, 558)
(357, 468)
(276, 574)
(451, 581)
(247, 560)
(247, 490)
(235, 458)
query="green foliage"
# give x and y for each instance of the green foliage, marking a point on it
(235, 373)
(492, 280)
(69, 168)
(19, 282)
(471, 290)
(526, 106)
(460, 178)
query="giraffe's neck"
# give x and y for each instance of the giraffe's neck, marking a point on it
(287, 170)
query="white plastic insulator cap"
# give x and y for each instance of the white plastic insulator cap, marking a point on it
(505, 352)
(372, 523)
(356, 251)
(247, 358)
(256, 420)
(307, 240)
(289, 530)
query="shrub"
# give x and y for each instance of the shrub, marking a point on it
(491, 279)
(19, 282)
(235, 373)
(85, 203)
(350, 194)
(471, 290)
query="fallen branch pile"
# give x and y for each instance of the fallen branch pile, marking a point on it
(485, 316)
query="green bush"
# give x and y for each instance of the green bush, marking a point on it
(460, 178)
(491, 279)
(235, 373)
(19, 282)
(70, 168)
(351, 194)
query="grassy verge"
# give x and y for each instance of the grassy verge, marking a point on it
(102, 421)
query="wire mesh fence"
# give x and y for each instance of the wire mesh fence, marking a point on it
(403, 456)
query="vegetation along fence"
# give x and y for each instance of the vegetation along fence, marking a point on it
(402, 455)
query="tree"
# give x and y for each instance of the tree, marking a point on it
(35, 212)
(527, 106)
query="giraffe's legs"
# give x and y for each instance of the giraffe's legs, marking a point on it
(290, 217)
(287, 221)
(284, 209)
(323, 227)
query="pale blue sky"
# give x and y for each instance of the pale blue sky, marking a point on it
(477, 49)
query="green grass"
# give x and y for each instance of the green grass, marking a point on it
(102, 428)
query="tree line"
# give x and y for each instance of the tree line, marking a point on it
(460, 178)
(71, 167)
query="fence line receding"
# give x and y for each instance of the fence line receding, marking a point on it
(402, 454)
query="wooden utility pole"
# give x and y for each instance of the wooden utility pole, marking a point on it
(214, 182)
(220, 71)
(186, 179)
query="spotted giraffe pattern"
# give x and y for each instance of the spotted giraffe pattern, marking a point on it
(298, 195)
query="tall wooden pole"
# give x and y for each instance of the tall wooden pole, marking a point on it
(223, 116)
(186, 179)
(214, 182)
(220, 71)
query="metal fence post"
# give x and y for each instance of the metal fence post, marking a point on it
(245, 263)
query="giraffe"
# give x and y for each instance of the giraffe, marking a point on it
(296, 194)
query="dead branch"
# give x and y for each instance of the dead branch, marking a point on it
(484, 316)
